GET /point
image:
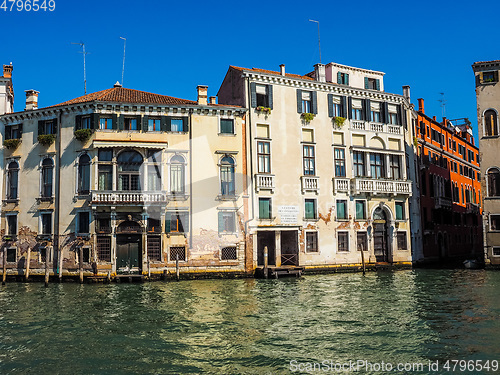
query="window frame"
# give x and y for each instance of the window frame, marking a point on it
(339, 162)
(308, 160)
(315, 237)
(12, 182)
(403, 212)
(45, 184)
(346, 248)
(41, 223)
(233, 127)
(264, 157)
(79, 222)
(177, 167)
(365, 211)
(227, 188)
(346, 210)
(8, 229)
(81, 174)
(180, 217)
(399, 235)
(490, 221)
(356, 164)
(314, 201)
(365, 234)
(232, 216)
(270, 208)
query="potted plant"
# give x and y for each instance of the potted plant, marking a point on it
(83, 134)
(12, 144)
(46, 139)
(415, 141)
(338, 121)
(263, 109)
(307, 117)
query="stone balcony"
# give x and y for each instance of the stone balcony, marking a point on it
(309, 183)
(442, 202)
(375, 127)
(473, 208)
(372, 186)
(128, 197)
(264, 182)
(341, 185)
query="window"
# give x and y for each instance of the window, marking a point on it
(13, 131)
(84, 174)
(129, 167)
(11, 254)
(177, 222)
(177, 253)
(265, 208)
(83, 222)
(357, 109)
(12, 180)
(104, 248)
(402, 243)
(490, 123)
(309, 160)
(488, 77)
(310, 209)
(154, 171)
(227, 176)
(228, 253)
(339, 162)
(154, 125)
(341, 209)
(154, 248)
(263, 96)
(306, 102)
(312, 242)
(494, 222)
(85, 124)
(227, 222)
(11, 225)
(375, 112)
(47, 127)
(130, 123)
(105, 123)
(226, 126)
(46, 219)
(176, 125)
(343, 241)
(494, 183)
(177, 175)
(372, 83)
(359, 163)
(496, 251)
(342, 78)
(360, 210)
(393, 120)
(362, 241)
(400, 211)
(395, 164)
(264, 157)
(47, 170)
(377, 165)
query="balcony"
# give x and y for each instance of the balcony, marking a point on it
(309, 183)
(472, 208)
(357, 125)
(341, 185)
(375, 127)
(395, 187)
(128, 197)
(442, 202)
(264, 182)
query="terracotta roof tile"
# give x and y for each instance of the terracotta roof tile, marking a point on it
(272, 72)
(485, 62)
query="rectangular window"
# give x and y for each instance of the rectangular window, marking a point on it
(130, 123)
(154, 177)
(360, 210)
(312, 242)
(104, 248)
(359, 163)
(402, 243)
(154, 248)
(227, 222)
(377, 165)
(395, 164)
(342, 78)
(339, 162)
(177, 253)
(176, 125)
(310, 209)
(496, 251)
(309, 160)
(343, 241)
(265, 208)
(229, 253)
(306, 102)
(226, 126)
(13, 131)
(341, 209)
(375, 112)
(488, 77)
(12, 225)
(48, 127)
(105, 123)
(154, 125)
(400, 211)
(372, 84)
(83, 222)
(105, 177)
(393, 120)
(46, 223)
(494, 222)
(261, 96)
(85, 122)
(177, 222)
(362, 241)
(264, 157)
(11, 254)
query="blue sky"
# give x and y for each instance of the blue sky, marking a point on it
(174, 46)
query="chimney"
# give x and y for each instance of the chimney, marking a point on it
(202, 94)
(7, 71)
(31, 100)
(117, 84)
(213, 100)
(406, 93)
(434, 118)
(319, 72)
(282, 69)
(421, 105)
(445, 123)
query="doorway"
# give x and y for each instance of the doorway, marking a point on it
(289, 248)
(380, 232)
(266, 238)
(128, 248)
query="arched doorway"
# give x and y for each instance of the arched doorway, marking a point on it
(128, 247)
(380, 235)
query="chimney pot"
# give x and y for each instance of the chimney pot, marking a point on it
(31, 100)
(117, 84)
(406, 92)
(421, 105)
(434, 118)
(282, 69)
(7, 71)
(319, 72)
(213, 100)
(202, 94)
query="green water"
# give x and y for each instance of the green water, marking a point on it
(250, 326)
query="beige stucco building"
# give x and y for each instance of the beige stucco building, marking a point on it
(328, 156)
(488, 107)
(124, 182)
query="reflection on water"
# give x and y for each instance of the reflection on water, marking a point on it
(249, 326)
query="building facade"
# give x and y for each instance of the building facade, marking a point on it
(450, 189)
(328, 156)
(488, 106)
(124, 182)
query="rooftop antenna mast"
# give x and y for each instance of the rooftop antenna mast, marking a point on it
(319, 41)
(443, 104)
(84, 67)
(123, 66)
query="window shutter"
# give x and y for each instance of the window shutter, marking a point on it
(384, 110)
(495, 74)
(54, 128)
(139, 122)
(185, 221)
(78, 122)
(121, 122)
(269, 91)
(314, 102)
(168, 123)
(366, 82)
(339, 78)
(221, 221)
(377, 84)
(20, 131)
(145, 123)
(347, 79)
(167, 222)
(114, 121)
(94, 121)
(185, 127)
(163, 123)
(330, 105)
(343, 106)
(403, 118)
(40, 127)
(253, 95)
(367, 110)
(399, 115)
(8, 132)
(299, 101)
(349, 108)
(480, 77)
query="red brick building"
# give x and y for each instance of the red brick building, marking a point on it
(450, 189)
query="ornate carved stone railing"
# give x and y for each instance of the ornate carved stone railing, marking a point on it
(264, 182)
(341, 185)
(101, 196)
(310, 183)
(402, 187)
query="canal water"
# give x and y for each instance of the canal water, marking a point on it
(252, 326)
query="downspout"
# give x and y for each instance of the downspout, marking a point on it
(58, 199)
(190, 123)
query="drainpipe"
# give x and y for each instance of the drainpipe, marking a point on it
(58, 199)
(190, 125)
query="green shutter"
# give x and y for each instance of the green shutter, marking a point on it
(40, 127)
(145, 123)
(54, 128)
(163, 123)
(221, 221)
(253, 95)
(78, 122)
(139, 122)
(330, 105)
(360, 210)
(314, 102)
(21, 131)
(349, 109)
(121, 122)
(168, 123)
(269, 91)
(167, 222)
(264, 208)
(185, 127)
(341, 210)
(347, 79)
(399, 211)
(8, 132)
(114, 121)
(377, 84)
(339, 78)
(94, 121)
(366, 83)
(367, 110)
(299, 101)
(309, 210)
(344, 107)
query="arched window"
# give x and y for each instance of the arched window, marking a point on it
(227, 176)
(84, 174)
(12, 180)
(177, 175)
(490, 123)
(129, 168)
(47, 172)
(493, 183)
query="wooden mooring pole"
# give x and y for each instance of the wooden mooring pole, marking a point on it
(27, 268)
(46, 270)
(80, 258)
(177, 271)
(266, 275)
(149, 270)
(363, 260)
(4, 276)
(60, 261)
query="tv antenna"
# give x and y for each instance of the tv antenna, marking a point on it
(123, 66)
(443, 104)
(319, 41)
(81, 44)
